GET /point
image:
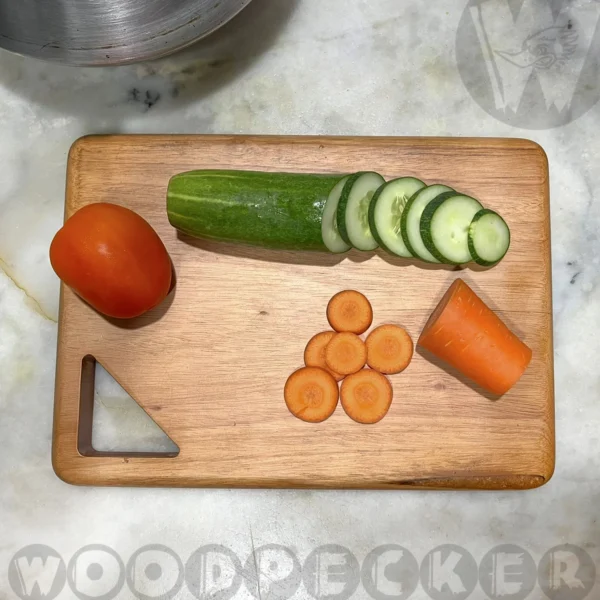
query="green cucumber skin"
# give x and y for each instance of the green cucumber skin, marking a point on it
(474, 255)
(271, 210)
(403, 226)
(341, 211)
(403, 221)
(372, 219)
(426, 218)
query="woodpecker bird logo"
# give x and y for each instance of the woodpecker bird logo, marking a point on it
(536, 67)
(544, 49)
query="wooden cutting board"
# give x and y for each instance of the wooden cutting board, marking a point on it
(209, 365)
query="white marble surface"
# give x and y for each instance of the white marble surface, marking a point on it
(377, 67)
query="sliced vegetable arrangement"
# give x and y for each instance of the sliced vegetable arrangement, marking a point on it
(335, 213)
(462, 331)
(331, 356)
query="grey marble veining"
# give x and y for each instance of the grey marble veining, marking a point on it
(382, 67)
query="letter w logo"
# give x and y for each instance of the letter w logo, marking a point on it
(37, 573)
(534, 45)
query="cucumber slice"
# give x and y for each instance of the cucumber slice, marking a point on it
(353, 210)
(445, 227)
(385, 213)
(489, 238)
(329, 227)
(411, 221)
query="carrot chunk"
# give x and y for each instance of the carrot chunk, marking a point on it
(314, 354)
(366, 396)
(311, 394)
(346, 353)
(350, 311)
(389, 349)
(469, 336)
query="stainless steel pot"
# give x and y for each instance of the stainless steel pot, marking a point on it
(108, 32)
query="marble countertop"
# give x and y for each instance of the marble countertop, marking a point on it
(382, 67)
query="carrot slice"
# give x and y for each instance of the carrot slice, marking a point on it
(366, 396)
(346, 353)
(314, 354)
(389, 349)
(468, 335)
(311, 394)
(350, 311)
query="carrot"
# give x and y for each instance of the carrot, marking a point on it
(311, 394)
(366, 396)
(314, 354)
(346, 353)
(468, 335)
(350, 311)
(389, 349)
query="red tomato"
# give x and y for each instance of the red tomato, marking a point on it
(113, 259)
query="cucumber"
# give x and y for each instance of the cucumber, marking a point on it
(329, 227)
(272, 210)
(353, 210)
(445, 226)
(410, 225)
(385, 213)
(489, 238)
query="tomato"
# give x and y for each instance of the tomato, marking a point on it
(113, 259)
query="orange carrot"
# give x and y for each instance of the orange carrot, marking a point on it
(466, 334)
(366, 396)
(314, 354)
(350, 311)
(346, 353)
(389, 349)
(311, 394)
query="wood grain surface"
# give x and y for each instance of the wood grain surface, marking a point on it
(209, 365)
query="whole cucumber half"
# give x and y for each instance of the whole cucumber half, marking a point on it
(271, 210)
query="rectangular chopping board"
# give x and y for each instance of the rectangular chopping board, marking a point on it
(209, 365)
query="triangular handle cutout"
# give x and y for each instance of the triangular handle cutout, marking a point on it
(112, 423)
